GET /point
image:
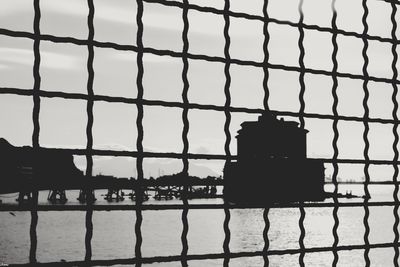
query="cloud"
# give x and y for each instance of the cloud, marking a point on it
(25, 57)
(147, 58)
(16, 55)
(71, 7)
(10, 7)
(114, 146)
(123, 13)
(201, 150)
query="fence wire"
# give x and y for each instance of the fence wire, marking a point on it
(227, 109)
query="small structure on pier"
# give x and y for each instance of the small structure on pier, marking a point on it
(144, 196)
(57, 196)
(203, 192)
(114, 194)
(86, 196)
(24, 197)
(164, 192)
(272, 164)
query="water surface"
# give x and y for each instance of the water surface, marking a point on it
(61, 233)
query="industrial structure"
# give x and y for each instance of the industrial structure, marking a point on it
(272, 164)
(24, 170)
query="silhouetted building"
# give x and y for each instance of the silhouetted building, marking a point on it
(22, 168)
(272, 164)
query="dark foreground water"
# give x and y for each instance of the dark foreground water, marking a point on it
(61, 233)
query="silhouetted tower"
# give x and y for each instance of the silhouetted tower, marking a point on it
(271, 138)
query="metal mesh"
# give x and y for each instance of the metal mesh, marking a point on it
(227, 109)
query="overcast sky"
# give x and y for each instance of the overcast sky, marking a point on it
(63, 68)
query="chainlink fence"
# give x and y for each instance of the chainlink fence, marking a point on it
(139, 102)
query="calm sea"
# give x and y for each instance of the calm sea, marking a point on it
(61, 233)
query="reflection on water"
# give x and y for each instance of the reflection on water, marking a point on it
(61, 234)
